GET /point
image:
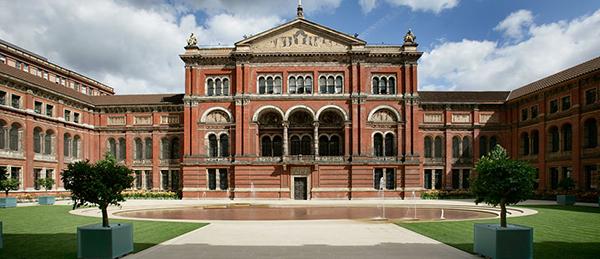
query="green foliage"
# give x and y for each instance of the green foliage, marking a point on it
(150, 195)
(443, 194)
(46, 183)
(500, 179)
(6, 183)
(566, 184)
(101, 183)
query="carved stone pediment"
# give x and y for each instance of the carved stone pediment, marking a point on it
(383, 115)
(217, 117)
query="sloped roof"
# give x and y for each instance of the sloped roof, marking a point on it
(137, 99)
(562, 76)
(483, 97)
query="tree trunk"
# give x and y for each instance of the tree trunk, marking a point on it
(104, 217)
(502, 214)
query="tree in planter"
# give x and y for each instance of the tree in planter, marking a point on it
(101, 183)
(566, 185)
(502, 181)
(6, 183)
(45, 183)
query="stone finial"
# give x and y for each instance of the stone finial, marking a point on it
(410, 38)
(192, 40)
(300, 10)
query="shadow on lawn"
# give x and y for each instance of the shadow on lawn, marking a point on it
(553, 249)
(59, 245)
(566, 208)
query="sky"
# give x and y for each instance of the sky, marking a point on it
(471, 45)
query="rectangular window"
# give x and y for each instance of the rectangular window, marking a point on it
(175, 180)
(50, 173)
(438, 178)
(15, 173)
(566, 103)
(427, 179)
(37, 107)
(49, 110)
(377, 176)
(553, 178)
(390, 179)
(76, 117)
(590, 96)
(83, 89)
(553, 106)
(57, 79)
(15, 101)
(524, 114)
(138, 179)
(2, 59)
(212, 179)
(165, 179)
(455, 179)
(2, 97)
(67, 115)
(223, 179)
(37, 174)
(25, 67)
(534, 111)
(18, 64)
(466, 178)
(45, 74)
(148, 180)
(591, 177)
(63, 81)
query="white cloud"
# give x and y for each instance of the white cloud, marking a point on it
(487, 65)
(514, 24)
(435, 6)
(131, 45)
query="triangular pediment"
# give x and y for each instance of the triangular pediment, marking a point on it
(299, 35)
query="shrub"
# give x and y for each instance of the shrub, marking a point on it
(446, 194)
(6, 183)
(158, 195)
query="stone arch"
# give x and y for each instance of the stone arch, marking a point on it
(384, 107)
(333, 107)
(299, 107)
(262, 109)
(208, 111)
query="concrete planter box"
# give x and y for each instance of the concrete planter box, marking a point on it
(1, 236)
(95, 241)
(8, 202)
(514, 241)
(46, 200)
(565, 199)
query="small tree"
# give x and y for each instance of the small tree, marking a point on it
(6, 183)
(502, 181)
(566, 185)
(46, 183)
(101, 183)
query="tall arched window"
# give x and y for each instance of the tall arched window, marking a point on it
(524, 144)
(334, 146)
(378, 144)
(266, 146)
(3, 131)
(262, 85)
(330, 85)
(392, 85)
(428, 147)
(384, 84)
(295, 145)
(389, 144)
(535, 142)
(306, 145)
(339, 84)
(139, 149)
(67, 145)
(225, 86)
(175, 147)
(438, 151)
(122, 149)
(292, 85)
(277, 85)
(15, 137)
(567, 134)
(218, 87)
(213, 149)
(375, 85)
(37, 140)
(323, 146)
(554, 139)
(466, 147)
(224, 145)
(48, 142)
(210, 87)
(76, 147)
(112, 147)
(590, 133)
(277, 146)
(483, 146)
(456, 147)
(148, 148)
(300, 84)
(269, 85)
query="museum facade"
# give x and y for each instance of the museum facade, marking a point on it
(300, 111)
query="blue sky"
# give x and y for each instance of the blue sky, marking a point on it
(133, 45)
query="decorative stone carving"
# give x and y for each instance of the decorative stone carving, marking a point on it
(300, 170)
(433, 118)
(169, 119)
(410, 38)
(461, 118)
(142, 120)
(217, 117)
(488, 118)
(192, 40)
(300, 119)
(297, 40)
(116, 120)
(331, 119)
(270, 119)
(383, 115)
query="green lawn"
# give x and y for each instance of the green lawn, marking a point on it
(558, 231)
(51, 232)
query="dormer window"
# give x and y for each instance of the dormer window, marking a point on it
(331, 84)
(300, 84)
(269, 84)
(384, 84)
(217, 86)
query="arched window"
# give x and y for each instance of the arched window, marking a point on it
(308, 85)
(323, 85)
(15, 137)
(300, 85)
(175, 148)
(292, 85)
(383, 85)
(378, 144)
(148, 151)
(224, 145)
(323, 146)
(262, 85)
(225, 86)
(590, 133)
(334, 146)
(122, 149)
(277, 146)
(392, 85)
(428, 147)
(438, 151)
(2, 134)
(466, 147)
(210, 87)
(339, 83)
(270, 85)
(330, 85)
(37, 140)
(483, 146)
(112, 147)
(375, 85)
(535, 142)
(524, 144)
(67, 145)
(48, 140)
(567, 134)
(213, 149)
(306, 145)
(76, 147)
(139, 149)
(389, 144)
(218, 87)
(277, 85)
(165, 147)
(554, 139)
(295, 145)
(266, 146)
(455, 147)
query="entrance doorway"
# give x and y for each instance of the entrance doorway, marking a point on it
(300, 190)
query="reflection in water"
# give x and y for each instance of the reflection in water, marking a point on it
(301, 213)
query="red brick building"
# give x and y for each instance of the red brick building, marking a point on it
(300, 111)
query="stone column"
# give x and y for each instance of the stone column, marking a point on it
(285, 139)
(316, 138)
(433, 179)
